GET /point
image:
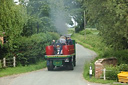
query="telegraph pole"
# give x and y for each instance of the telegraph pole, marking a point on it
(84, 20)
(84, 24)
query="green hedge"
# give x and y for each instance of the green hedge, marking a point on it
(85, 31)
(94, 42)
(121, 55)
(30, 49)
(111, 73)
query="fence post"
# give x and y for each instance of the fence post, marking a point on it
(104, 70)
(4, 62)
(0, 64)
(14, 61)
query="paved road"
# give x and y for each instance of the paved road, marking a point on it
(57, 77)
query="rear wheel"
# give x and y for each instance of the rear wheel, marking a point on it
(50, 66)
(71, 67)
(74, 60)
(71, 64)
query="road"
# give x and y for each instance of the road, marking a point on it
(61, 76)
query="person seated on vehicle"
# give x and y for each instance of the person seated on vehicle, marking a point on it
(62, 42)
(69, 41)
(58, 45)
(54, 45)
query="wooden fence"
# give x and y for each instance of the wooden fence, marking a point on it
(8, 62)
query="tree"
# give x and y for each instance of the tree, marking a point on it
(12, 20)
(111, 18)
(39, 18)
(76, 10)
(52, 15)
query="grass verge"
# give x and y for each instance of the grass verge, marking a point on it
(94, 42)
(93, 79)
(22, 69)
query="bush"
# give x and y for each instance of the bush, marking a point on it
(31, 49)
(54, 35)
(3, 50)
(111, 73)
(123, 67)
(121, 55)
(95, 42)
(87, 32)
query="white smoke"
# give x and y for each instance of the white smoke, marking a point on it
(59, 15)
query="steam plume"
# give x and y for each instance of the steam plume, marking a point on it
(59, 15)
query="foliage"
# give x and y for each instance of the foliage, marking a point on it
(27, 30)
(3, 51)
(111, 72)
(21, 69)
(51, 15)
(121, 55)
(94, 42)
(84, 32)
(12, 20)
(110, 17)
(39, 19)
(31, 49)
(93, 79)
(1, 44)
(54, 35)
(77, 13)
(123, 67)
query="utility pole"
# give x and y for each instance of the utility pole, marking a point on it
(84, 23)
(84, 20)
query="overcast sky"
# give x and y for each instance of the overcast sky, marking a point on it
(16, 1)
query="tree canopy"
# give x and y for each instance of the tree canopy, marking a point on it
(111, 18)
(43, 16)
(12, 20)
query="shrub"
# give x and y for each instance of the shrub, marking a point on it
(31, 49)
(123, 67)
(3, 50)
(54, 35)
(121, 55)
(111, 73)
(87, 32)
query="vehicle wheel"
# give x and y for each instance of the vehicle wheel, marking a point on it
(71, 66)
(74, 60)
(51, 66)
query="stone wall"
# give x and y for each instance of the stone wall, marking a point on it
(101, 63)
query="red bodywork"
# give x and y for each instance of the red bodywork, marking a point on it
(49, 50)
(67, 50)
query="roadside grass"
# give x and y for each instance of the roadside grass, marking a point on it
(94, 42)
(22, 69)
(91, 41)
(93, 79)
(71, 30)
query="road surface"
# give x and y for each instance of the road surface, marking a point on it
(60, 76)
